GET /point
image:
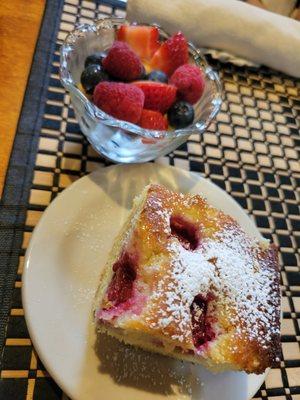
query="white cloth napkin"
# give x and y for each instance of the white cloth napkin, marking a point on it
(229, 25)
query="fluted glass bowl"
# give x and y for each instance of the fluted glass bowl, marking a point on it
(118, 140)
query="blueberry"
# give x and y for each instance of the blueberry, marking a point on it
(158, 76)
(95, 59)
(91, 76)
(181, 114)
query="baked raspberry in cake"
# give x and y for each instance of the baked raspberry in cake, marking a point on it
(184, 279)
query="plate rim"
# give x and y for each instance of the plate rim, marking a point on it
(43, 355)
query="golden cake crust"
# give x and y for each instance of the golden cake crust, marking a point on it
(190, 256)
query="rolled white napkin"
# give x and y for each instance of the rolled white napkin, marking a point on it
(231, 25)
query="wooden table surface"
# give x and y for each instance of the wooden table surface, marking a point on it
(19, 27)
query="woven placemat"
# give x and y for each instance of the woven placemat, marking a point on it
(251, 151)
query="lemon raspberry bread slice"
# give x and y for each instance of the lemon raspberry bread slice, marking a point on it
(183, 279)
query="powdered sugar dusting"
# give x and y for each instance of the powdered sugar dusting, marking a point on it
(230, 268)
(165, 217)
(189, 275)
(244, 283)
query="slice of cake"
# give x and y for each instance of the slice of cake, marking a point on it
(183, 279)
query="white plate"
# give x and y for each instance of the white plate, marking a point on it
(67, 251)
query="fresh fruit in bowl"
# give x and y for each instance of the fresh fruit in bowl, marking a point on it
(144, 81)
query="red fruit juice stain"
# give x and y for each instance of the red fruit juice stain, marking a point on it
(121, 285)
(186, 232)
(201, 327)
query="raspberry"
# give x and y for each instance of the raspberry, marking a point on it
(158, 96)
(186, 232)
(153, 120)
(189, 81)
(121, 285)
(122, 63)
(202, 330)
(121, 100)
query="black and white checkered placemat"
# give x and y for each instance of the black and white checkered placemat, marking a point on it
(251, 151)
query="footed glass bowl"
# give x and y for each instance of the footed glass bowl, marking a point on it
(118, 140)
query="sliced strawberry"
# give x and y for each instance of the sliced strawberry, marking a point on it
(144, 40)
(158, 96)
(153, 120)
(171, 54)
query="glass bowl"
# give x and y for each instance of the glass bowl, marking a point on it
(118, 140)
